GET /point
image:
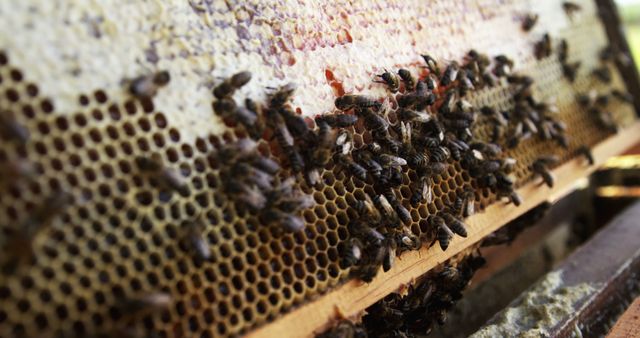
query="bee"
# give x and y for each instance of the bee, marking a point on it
(570, 69)
(464, 78)
(418, 100)
(391, 160)
(439, 154)
(443, 233)
(280, 97)
(354, 169)
(539, 167)
(352, 252)
(22, 243)
(622, 96)
(390, 80)
(372, 121)
(603, 74)
(570, 8)
(265, 164)
(347, 102)
(145, 304)
(432, 64)
(367, 210)
(11, 129)
(405, 240)
(408, 115)
(502, 67)
(388, 257)
(450, 74)
(586, 152)
(289, 222)
(230, 85)
(344, 143)
(431, 82)
(195, 239)
(370, 235)
(382, 203)
(321, 154)
(295, 123)
(225, 107)
(529, 21)
(285, 140)
(563, 51)
(543, 47)
(146, 86)
(169, 177)
(402, 212)
(344, 329)
(602, 100)
(339, 120)
(242, 148)
(253, 175)
(17, 169)
(250, 196)
(456, 225)
(407, 79)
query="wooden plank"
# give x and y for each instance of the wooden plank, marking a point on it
(583, 292)
(351, 298)
(628, 325)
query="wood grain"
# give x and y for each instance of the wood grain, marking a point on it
(628, 325)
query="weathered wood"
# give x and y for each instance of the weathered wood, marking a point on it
(628, 325)
(583, 292)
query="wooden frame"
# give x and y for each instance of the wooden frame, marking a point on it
(352, 298)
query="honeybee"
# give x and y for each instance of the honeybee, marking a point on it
(570, 69)
(372, 121)
(585, 151)
(539, 167)
(339, 120)
(353, 168)
(543, 47)
(443, 233)
(603, 73)
(423, 191)
(17, 169)
(250, 196)
(402, 212)
(450, 74)
(169, 177)
(529, 21)
(11, 129)
(146, 86)
(347, 102)
(367, 210)
(382, 203)
(407, 79)
(278, 98)
(432, 64)
(195, 240)
(295, 123)
(352, 252)
(623, 96)
(390, 80)
(145, 304)
(344, 329)
(229, 86)
(456, 225)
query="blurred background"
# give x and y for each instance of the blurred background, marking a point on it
(630, 12)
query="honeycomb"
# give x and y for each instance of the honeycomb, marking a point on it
(120, 237)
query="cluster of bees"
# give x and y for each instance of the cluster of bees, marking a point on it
(426, 303)
(443, 111)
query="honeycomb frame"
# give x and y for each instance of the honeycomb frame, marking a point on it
(121, 235)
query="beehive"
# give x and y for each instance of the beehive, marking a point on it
(61, 72)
